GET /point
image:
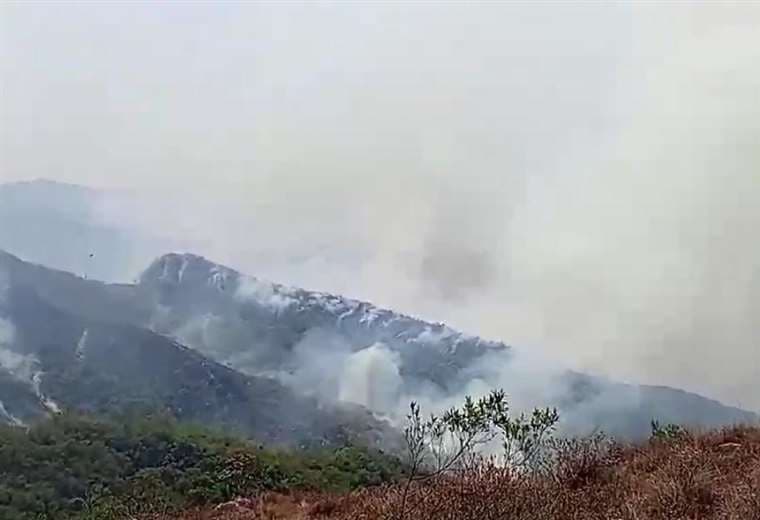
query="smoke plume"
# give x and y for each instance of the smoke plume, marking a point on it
(579, 181)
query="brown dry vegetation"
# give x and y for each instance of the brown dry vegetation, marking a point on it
(713, 475)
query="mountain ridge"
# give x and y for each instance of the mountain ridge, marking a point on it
(52, 360)
(313, 343)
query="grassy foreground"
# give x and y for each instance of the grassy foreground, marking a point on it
(712, 475)
(79, 468)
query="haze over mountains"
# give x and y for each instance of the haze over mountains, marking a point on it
(578, 180)
(285, 221)
(76, 228)
(279, 363)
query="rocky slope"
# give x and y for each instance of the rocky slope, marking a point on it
(265, 354)
(65, 346)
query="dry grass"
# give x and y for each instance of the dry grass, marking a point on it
(714, 475)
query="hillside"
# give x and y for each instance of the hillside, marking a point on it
(57, 357)
(133, 467)
(303, 363)
(81, 468)
(297, 335)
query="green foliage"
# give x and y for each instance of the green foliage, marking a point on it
(452, 441)
(524, 438)
(76, 467)
(666, 432)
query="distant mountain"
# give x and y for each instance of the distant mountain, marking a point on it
(303, 350)
(257, 326)
(55, 354)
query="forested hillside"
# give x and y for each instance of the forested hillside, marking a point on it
(77, 467)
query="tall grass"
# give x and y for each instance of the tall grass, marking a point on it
(712, 475)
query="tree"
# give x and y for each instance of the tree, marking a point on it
(666, 432)
(454, 440)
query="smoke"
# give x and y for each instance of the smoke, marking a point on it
(646, 268)
(580, 182)
(7, 330)
(326, 365)
(371, 377)
(264, 293)
(20, 366)
(7, 333)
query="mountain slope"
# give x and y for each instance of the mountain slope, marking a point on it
(333, 348)
(257, 326)
(52, 358)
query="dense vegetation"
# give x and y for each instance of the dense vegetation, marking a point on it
(81, 468)
(77, 467)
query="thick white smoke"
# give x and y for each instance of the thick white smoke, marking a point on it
(371, 377)
(264, 293)
(576, 180)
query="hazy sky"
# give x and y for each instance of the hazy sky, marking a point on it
(581, 179)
